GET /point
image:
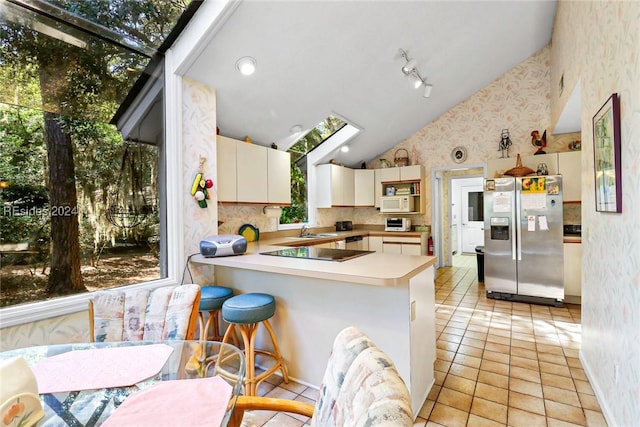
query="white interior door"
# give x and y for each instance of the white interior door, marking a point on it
(472, 217)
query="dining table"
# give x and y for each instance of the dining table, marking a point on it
(135, 383)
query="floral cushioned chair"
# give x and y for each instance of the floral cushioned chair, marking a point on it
(169, 312)
(360, 387)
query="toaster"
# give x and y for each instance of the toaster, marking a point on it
(397, 224)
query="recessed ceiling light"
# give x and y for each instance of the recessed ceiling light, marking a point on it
(246, 65)
(296, 129)
(344, 148)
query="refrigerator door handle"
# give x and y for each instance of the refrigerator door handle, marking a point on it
(518, 229)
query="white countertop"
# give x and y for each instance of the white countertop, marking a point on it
(376, 268)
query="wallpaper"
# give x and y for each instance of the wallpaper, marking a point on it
(198, 144)
(597, 45)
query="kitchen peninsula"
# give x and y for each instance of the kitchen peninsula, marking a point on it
(389, 296)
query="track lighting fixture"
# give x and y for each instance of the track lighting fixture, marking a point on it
(409, 69)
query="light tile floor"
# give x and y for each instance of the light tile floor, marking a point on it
(498, 363)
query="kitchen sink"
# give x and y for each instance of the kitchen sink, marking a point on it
(316, 235)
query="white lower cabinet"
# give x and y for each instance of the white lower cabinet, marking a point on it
(391, 247)
(375, 243)
(335, 244)
(396, 245)
(572, 272)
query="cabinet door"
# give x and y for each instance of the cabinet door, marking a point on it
(363, 184)
(365, 243)
(570, 167)
(411, 249)
(572, 269)
(347, 185)
(252, 173)
(411, 172)
(225, 184)
(392, 248)
(384, 175)
(334, 186)
(330, 245)
(323, 186)
(375, 243)
(279, 177)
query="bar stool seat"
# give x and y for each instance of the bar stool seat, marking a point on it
(211, 301)
(246, 312)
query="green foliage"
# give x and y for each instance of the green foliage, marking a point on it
(297, 212)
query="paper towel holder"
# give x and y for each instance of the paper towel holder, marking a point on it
(272, 211)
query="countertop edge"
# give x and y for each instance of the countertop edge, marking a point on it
(293, 267)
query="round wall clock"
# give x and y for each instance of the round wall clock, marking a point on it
(459, 154)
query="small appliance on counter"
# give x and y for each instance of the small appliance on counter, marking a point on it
(223, 245)
(344, 225)
(397, 224)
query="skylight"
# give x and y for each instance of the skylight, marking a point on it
(316, 136)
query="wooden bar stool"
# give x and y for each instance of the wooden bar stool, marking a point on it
(211, 300)
(246, 312)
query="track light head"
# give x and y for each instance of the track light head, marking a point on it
(409, 67)
(427, 90)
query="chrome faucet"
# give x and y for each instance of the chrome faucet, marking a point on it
(304, 231)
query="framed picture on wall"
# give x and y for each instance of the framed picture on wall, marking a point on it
(606, 151)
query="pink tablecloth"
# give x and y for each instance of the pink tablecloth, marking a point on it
(100, 368)
(184, 403)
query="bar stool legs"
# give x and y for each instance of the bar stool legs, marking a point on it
(245, 313)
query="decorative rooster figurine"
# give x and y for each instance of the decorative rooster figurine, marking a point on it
(538, 142)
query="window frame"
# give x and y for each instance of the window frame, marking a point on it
(317, 156)
(169, 197)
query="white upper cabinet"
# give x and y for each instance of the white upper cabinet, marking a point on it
(250, 173)
(279, 177)
(225, 185)
(364, 187)
(409, 173)
(384, 175)
(570, 167)
(334, 186)
(348, 186)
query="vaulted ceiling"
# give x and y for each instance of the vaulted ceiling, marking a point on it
(316, 58)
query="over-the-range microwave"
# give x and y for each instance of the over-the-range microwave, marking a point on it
(390, 204)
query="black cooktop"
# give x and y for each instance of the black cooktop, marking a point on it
(324, 254)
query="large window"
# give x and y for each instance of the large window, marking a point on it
(81, 206)
(298, 211)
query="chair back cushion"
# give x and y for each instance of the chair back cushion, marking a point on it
(108, 315)
(347, 345)
(182, 313)
(163, 313)
(361, 386)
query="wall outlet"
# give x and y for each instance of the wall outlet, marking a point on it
(413, 311)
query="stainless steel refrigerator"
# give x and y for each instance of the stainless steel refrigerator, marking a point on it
(523, 233)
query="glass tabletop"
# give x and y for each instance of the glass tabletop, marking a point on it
(180, 360)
